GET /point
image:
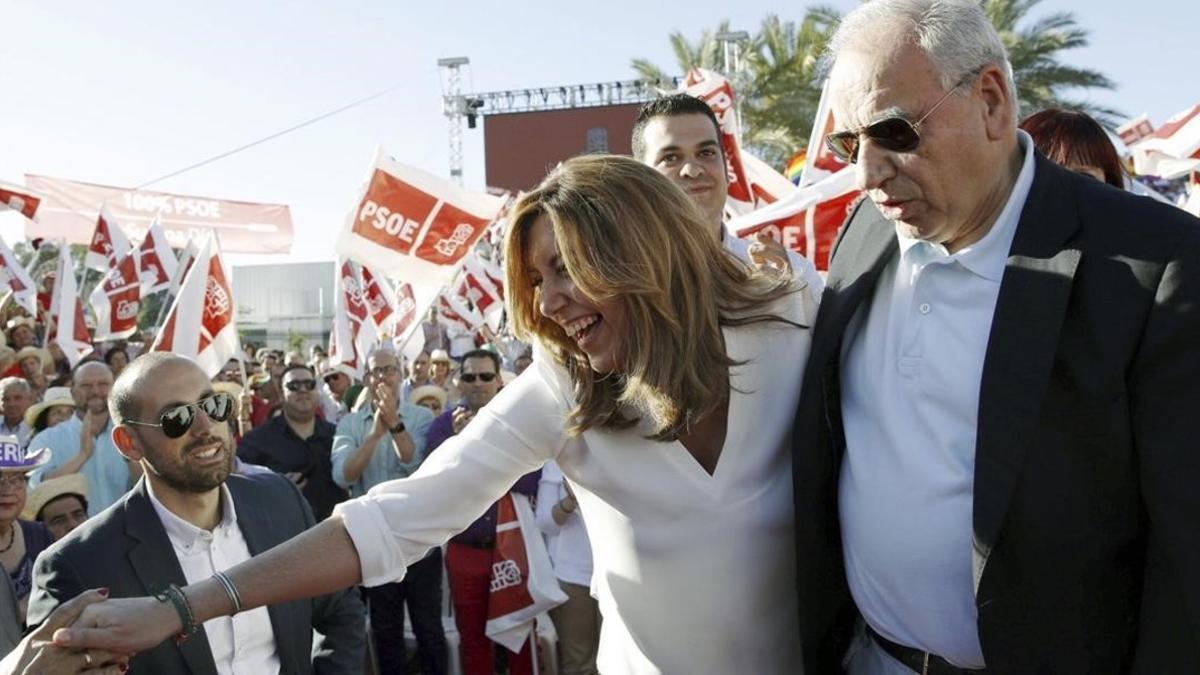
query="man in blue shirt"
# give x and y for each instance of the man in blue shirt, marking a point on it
(83, 444)
(383, 441)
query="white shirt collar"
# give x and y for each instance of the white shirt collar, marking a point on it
(184, 534)
(988, 256)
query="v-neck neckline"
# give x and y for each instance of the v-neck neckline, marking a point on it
(733, 431)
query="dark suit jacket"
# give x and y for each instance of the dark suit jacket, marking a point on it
(126, 549)
(1087, 463)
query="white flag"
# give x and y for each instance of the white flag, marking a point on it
(200, 324)
(156, 261)
(69, 331)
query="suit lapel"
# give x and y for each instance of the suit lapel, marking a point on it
(867, 244)
(257, 523)
(153, 560)
(1030, 310)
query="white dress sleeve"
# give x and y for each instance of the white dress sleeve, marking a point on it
(400, 520)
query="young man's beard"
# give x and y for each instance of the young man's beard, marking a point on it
(181, 477)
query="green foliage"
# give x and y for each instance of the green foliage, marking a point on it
(295, 341)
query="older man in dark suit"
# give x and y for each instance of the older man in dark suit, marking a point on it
(996, 450)
(187, 520)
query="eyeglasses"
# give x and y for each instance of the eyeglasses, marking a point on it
(15, 481)
(383, 371)
(892, 133)
(301, 385)
(176, 421)
(469, 378)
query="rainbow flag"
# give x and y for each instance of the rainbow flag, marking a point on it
(795, 167)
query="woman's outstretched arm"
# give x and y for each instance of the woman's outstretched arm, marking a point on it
(318, 561)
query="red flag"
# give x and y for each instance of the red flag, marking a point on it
(109, 244)
(14, 275)
(19, 200)
(522, 583)
(1173, 150)
(116, 300)
(200, 324)
(68, 329)
(352, 336)
(156, 261)
(379, 296)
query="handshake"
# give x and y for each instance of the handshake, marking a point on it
(80, 636)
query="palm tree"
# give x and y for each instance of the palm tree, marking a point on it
(1034, 52)
(704, 53)
(784, 89)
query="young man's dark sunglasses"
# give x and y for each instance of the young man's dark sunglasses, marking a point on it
(301, 385)
(176, 421)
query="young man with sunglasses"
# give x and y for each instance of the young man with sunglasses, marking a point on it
(83, 444)
(995, 451)
(187, 520)
(298, 443)
(469, 554)
(382, 441)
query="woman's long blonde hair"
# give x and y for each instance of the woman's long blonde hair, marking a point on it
(626, 233)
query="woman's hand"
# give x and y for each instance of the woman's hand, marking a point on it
(125, 625)
(38, 654)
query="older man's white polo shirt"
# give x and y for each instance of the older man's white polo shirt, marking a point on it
(911, 368)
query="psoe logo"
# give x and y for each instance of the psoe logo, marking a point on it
(127, 310)
(448, 246)
(504, 574)
(216, 300)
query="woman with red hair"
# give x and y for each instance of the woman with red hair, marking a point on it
(1077, 142)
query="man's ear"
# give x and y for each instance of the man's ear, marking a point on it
(998, 112)
(127, 443)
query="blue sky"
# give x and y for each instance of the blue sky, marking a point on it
(123, 92)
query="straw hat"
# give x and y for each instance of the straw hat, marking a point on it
(439, 355)
(54, 396)
(15, 458)
(232, 388)
(426, 391)
(49, 490)
(30, 351)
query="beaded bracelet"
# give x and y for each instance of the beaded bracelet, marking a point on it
(174, 595)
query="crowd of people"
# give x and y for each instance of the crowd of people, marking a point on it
(968, 448)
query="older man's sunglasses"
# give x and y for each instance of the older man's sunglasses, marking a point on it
(176, 421)
(894, 133)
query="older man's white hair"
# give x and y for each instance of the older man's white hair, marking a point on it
(956, 35)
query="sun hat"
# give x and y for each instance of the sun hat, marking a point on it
(40, 353)
(439, 355)
(54, 396)
(49, 490)
(426, 391)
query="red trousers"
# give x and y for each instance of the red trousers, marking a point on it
(470, 573)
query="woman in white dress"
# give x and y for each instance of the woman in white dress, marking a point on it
(664, 387)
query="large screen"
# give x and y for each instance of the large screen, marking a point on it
(519, 148)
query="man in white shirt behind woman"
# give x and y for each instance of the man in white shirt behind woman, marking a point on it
(577, 621)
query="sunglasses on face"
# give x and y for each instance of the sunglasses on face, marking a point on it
(894, 133)
(176, 421)
(384, 371)
(470, 378)
(301, 385)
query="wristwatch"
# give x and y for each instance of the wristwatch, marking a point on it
(398, 429)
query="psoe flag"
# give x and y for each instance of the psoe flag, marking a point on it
(109, 243)
(117, 299)
(156, 261)
(1173, 150)
(410, 224)
(200, 324)
(19, 199)
(14, 275)
(67, 327)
